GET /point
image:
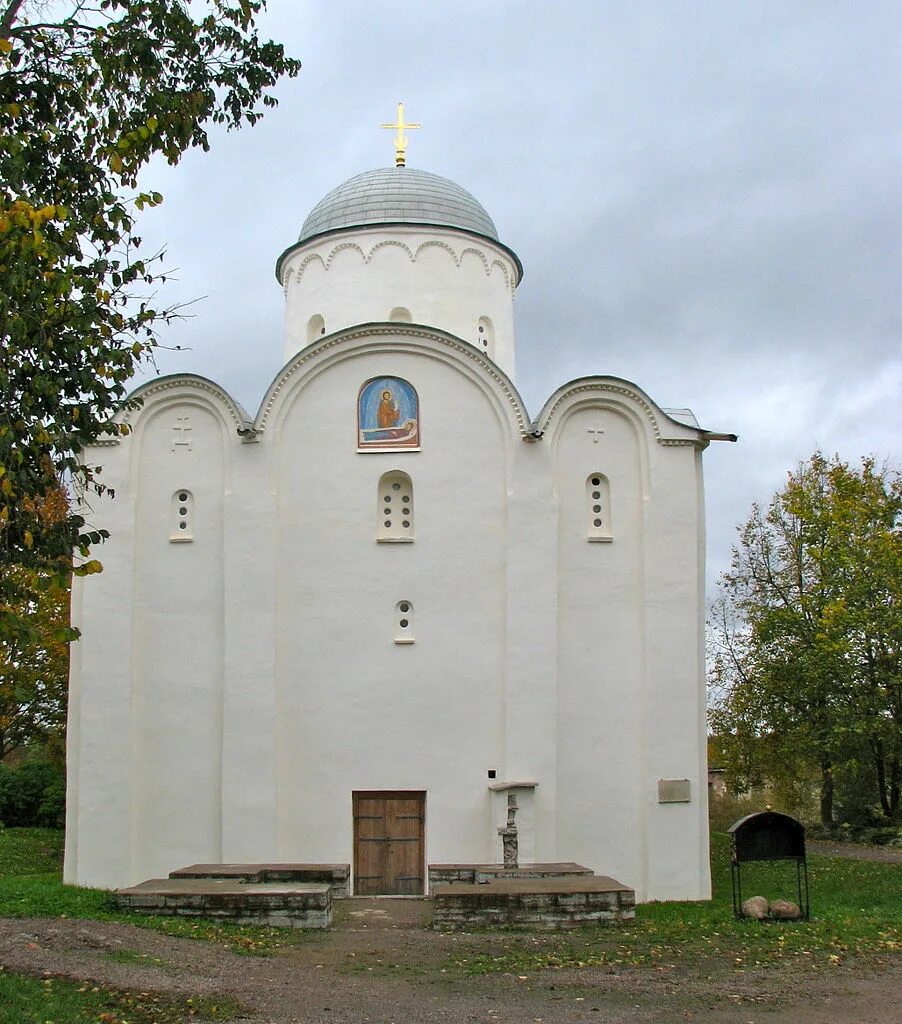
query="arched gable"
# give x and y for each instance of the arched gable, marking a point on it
(177, 395)
(180, 387)
(392, 337)
(621, 396)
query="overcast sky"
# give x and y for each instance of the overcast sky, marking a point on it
(705, 198)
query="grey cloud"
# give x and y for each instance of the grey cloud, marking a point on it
(704, 196)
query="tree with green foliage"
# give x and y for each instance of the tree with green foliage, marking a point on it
(34, 669)
(805, 635)
(34, 658)
(90, 92)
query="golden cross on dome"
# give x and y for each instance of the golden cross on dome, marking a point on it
(401, 139)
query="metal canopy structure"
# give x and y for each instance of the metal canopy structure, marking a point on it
(768, 835)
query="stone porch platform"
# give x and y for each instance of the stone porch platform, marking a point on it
(284, 904)
(538, 902)
(549, 895)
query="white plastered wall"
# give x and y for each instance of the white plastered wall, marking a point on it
(98, 742)
(146, 684)
(356, 711)
(178, 637)
(630, 663)
(674, 722)
(444, 278)
(230, 694)
(600, 632)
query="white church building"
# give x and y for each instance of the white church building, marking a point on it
(346, 628)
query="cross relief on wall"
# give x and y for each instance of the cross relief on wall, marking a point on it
(180, 431)
(595, 430)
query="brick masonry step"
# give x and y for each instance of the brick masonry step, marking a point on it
(336, 875)
(293, 905)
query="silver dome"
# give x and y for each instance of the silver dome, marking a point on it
(391, 195)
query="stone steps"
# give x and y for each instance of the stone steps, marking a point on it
(543, 901)
(335, 875)
(292, 905)
(548, 896)
(287, 895)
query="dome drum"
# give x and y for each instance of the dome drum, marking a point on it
(398, 238)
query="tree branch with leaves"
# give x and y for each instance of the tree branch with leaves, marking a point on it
(89, 94)
(805, 636)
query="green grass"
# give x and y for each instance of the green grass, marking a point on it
(31, 886)
(56, 1001)
(856, 913)
(27, 851)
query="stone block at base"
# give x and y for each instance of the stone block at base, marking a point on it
(547, 903)
(290, 905)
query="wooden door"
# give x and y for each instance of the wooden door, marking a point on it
(389, 847)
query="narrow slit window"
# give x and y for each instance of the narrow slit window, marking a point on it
(394, 508)
(598, 507)
(181, 516)
(404, 622)
(316, 327)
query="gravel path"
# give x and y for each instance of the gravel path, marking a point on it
(379, 964)
(855, 851)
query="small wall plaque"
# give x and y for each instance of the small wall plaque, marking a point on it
(673, 791)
